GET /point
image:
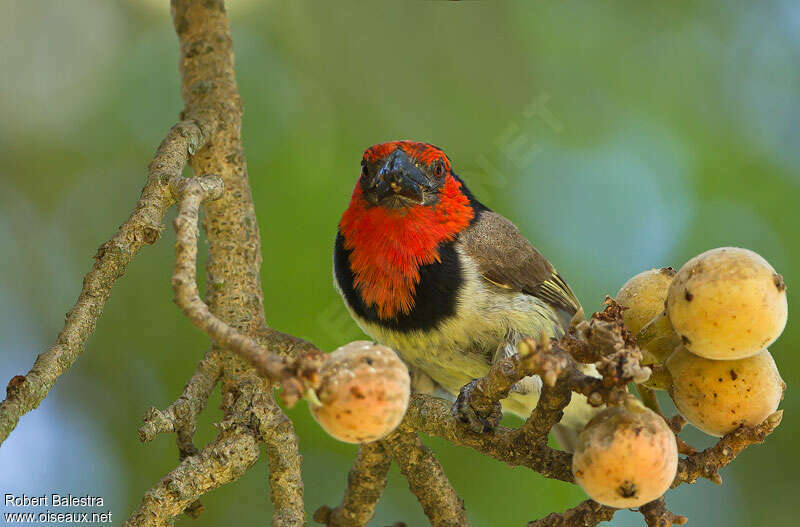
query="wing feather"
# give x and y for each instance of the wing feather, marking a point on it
(507, 260)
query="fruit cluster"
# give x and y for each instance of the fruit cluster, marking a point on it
(705, 331)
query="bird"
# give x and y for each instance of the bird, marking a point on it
(450, 285)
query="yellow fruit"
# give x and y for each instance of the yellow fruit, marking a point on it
(364, 392)
(717, 396)
(626, 456)
(644, 296)
(657, 339)
(727, 303)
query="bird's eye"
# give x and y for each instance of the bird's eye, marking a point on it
(438, 169)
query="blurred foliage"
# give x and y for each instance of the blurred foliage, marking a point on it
(618, 135)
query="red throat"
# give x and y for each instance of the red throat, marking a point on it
(388, 246)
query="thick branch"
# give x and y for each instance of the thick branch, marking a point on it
(220, 462)
(111, 261)
(587, 514)
(284, 459)
(548, 412)
(432, 416)
(426, 479)
(365, 484)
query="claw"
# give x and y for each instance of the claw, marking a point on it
(477, 421)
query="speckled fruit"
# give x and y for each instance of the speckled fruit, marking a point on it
(364, 392)
(717, 396)
(626, 456)
(644, 296)
(727, 303)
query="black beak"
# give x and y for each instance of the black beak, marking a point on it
(399, 178)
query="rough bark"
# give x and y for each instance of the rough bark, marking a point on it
(365, 484)
(586, 514)
(234, 298)
(426, 479)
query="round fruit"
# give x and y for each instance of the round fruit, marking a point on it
(364, 392)
(717, 396)
(727, 303)
(626, 456)
(644, 296)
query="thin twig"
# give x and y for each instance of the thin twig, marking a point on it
(709, 462)
(603, 339)
(365, 484)
(296, 375)
(179, 417)
(112, 259)
(276, 431)
(649, 398)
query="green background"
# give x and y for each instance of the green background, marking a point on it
(617, 136)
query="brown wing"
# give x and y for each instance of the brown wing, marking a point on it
(506, 259)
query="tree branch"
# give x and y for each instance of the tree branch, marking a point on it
(603, 340)
(587, 514)
(297, 375)
(112, 259)
(656, 514)
(179, 417)
(234, 297)
(223, 460)
(709, 462)
(548, 412)
(284, 459)
(432, 416)
(426, 479)
(365, 484)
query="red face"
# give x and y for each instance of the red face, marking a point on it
(402, 174)
(406, 203)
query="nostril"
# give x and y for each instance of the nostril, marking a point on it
(391, 177)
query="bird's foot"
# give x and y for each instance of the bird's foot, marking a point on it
(478, 420)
